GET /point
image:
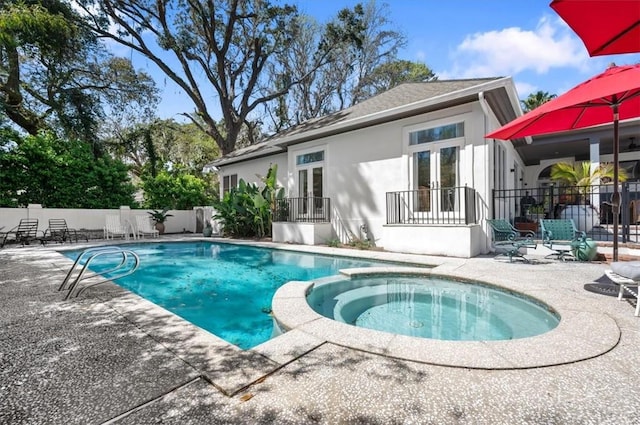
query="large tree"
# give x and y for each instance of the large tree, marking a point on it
(54, 74)
(225, 44)
(163, 144)
(393, 73)
(349, 76)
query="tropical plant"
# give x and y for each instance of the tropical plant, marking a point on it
(159, 216)
(580, 175)
(535, 100)
(247, 210)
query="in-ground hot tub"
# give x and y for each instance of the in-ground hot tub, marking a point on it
(432, 307)
(568, 338)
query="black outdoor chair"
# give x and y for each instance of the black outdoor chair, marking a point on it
(23, 233)
(58, 231)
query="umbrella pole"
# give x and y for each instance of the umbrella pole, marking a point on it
(616, 192)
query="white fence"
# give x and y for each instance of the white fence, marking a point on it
(181, 221)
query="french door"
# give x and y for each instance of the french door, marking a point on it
(310, 189)
(436, 174)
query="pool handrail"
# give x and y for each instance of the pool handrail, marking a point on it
(90, 254)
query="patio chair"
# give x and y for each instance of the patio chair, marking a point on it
(508, 240)
(563, 238)
(626, 274)
(143, 226)
(58, 231)
(25, 232)
(114, 228)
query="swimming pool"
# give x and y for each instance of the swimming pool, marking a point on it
(225, 289)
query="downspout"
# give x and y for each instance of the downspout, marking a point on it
(486, 110)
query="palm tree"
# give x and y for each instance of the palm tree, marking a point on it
(581, 176)
(536, 99)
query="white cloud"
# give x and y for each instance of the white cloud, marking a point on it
(513, 50)
(524, 89)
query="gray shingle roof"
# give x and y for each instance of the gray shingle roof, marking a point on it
(399, 96)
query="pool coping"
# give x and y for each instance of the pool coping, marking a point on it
(225, 365)
(232, 369)
(573, 340)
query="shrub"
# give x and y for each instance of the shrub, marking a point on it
(246, 211)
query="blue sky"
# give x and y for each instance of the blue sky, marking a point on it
(524, 39)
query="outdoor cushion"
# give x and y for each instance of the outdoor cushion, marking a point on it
(628, 269)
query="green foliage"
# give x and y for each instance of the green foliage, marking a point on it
(535, 100)
(159, 216)
(246, 211)
(57, 173)
(334, 243)
(152, 147)
(363, 244)
(178, 191)
(580, 175)
(55, 75)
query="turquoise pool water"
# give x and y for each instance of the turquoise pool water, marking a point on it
(223, 288)
(432, 307)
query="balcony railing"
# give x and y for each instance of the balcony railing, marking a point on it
(304, 209)
(448, 205)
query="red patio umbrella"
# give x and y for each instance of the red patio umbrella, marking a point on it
(608, 97)
(606, 27)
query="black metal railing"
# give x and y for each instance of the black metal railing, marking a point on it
(304, 209)
(447, 205)
(589, 207)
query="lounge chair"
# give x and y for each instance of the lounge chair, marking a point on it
(563, 238)
(508, 240)
(58, 231)
(143, 226)
(114, 228)
(626, 274)
(25, 232)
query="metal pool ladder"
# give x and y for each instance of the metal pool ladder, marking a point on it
(77, 272)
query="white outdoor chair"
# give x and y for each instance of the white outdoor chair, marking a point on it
(143, 226)
(626, 274)
(114, 228)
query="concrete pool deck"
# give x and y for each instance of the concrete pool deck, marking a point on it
(111, 357)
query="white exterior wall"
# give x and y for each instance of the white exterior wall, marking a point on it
(303, 233)
(249, 170)
(361, 166)
(182, 220)
(450, 241)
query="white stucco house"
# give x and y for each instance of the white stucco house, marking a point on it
(409, 169)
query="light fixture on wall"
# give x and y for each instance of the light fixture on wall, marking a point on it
(632, 144)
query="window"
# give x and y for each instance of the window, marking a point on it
(229, 182)
(308, 158)
(444, 132)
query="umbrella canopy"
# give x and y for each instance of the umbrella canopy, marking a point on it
(608, 97)
(606, 27)
(589, 103)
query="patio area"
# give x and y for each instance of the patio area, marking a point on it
(111, 357)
